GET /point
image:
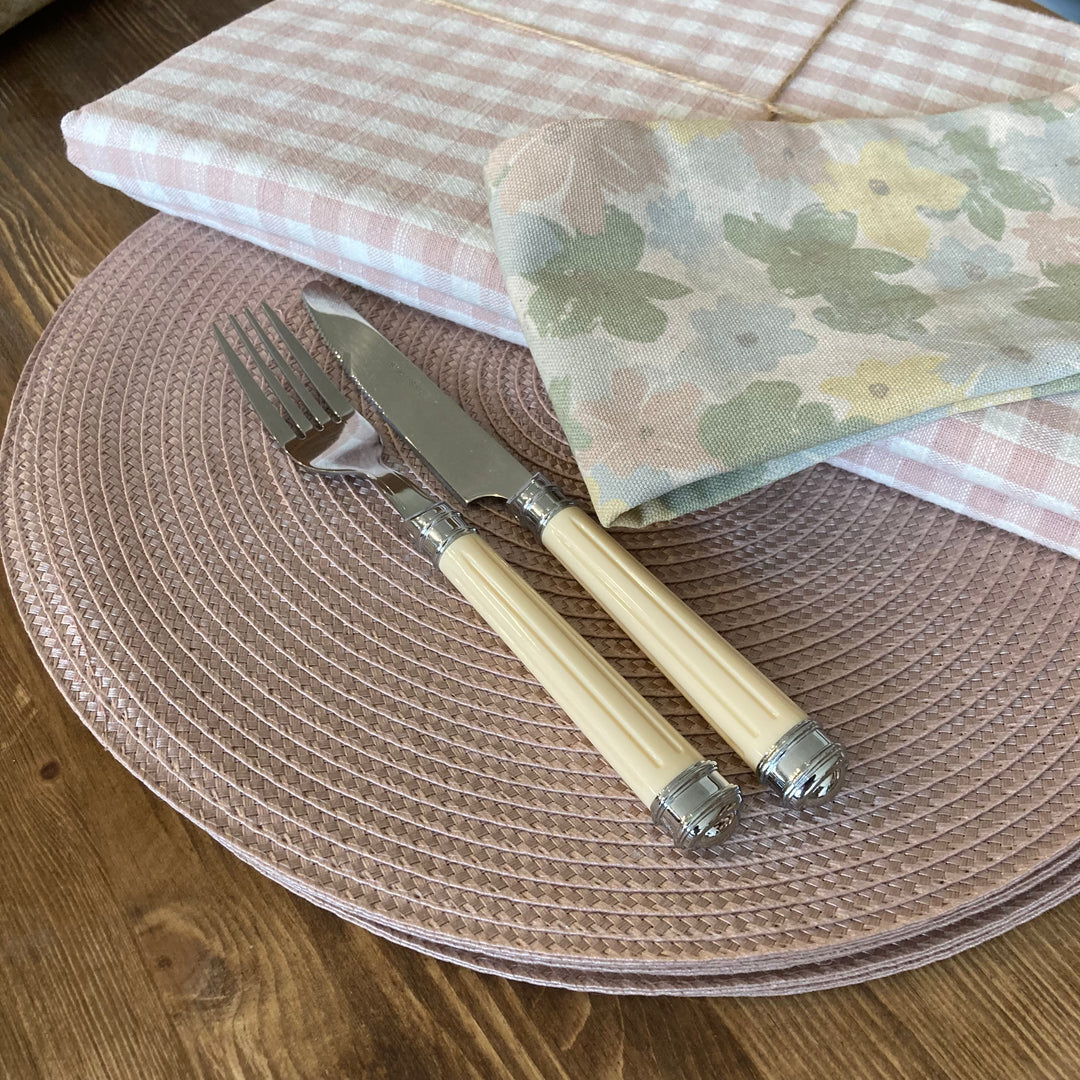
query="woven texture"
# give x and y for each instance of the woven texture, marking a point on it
(1016, 466)
(265, 650)
(352, 134)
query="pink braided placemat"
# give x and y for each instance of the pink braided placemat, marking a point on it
(265, 650)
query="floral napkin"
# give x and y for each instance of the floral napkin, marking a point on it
(714, 304)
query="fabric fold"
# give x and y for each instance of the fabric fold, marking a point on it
(716, 304)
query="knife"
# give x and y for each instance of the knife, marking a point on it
(787, 750)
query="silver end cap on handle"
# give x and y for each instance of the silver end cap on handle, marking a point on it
(699, 809)
(538, 502)
(805, 767)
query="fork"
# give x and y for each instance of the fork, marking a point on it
(311, 419)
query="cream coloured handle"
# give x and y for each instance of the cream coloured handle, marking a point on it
(633, 737)
(730, 693)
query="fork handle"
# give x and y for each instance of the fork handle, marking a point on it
(686, 794)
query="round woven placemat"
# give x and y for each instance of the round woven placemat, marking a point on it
(267, 652)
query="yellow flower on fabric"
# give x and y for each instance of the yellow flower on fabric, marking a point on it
(885, 192)
(707, 127)
(885, 392)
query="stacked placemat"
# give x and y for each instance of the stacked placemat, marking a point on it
(268, 653)
(265, 649)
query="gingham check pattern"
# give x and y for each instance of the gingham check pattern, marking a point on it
(1016, 466)
(350, 135)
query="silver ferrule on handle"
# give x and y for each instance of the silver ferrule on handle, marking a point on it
(438, 527)
(699, 808)
(804, 767)
(538, 502)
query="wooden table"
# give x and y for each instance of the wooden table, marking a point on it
(133, 946)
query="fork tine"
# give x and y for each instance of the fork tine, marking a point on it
(318, 414)
(338, 403)
(275, 423)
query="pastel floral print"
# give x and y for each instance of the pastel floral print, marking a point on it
(731, 162)
(957, 266)
(634, 425)
(883, 392)
(580, 163)
(966, 153)
(736, 336)
(1056, 154)
(1055, 107)
(816, 256)
(683, 132)
(1059, 301)
(531, 240)
(991, 187)
(1051, 240)
(799, 154)
(1004, 348)
(714, 304)
(595, 281)
(768, 418)
(724, 162)
(886, 194)
(560, 391)
(607, 508)
(674, 228)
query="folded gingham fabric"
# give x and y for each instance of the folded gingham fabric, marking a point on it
(351, 135)
(1016, 466)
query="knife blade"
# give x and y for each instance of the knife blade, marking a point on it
(788, 751)
(462, 454)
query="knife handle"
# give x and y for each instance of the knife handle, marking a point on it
(686, 794)
(775, 737)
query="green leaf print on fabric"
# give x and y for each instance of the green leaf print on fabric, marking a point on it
(984, 214)
(816, 256)
(767, 420)
(1060, 301)
(714, 304)
(990, 184)
(1045, 110)
(594, 280)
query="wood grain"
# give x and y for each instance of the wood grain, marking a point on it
(133, 946)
